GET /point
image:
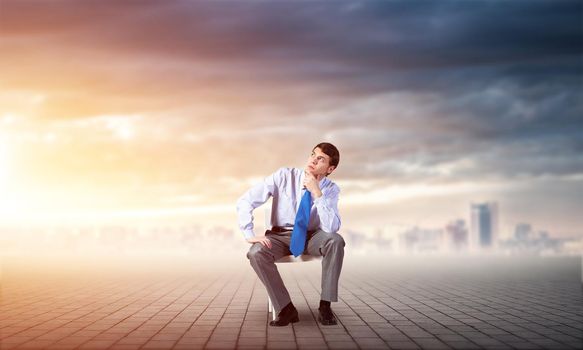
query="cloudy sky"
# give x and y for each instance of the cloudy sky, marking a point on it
(167, 109)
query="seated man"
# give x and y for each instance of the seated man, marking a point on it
(305, 220)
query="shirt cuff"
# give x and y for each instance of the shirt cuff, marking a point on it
(248, 234)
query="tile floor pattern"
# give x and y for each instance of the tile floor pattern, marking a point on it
(489, 304)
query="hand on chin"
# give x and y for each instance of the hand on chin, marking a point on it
(311, 172)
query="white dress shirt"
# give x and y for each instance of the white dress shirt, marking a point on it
(285, 186)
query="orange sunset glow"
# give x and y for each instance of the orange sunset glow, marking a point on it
(166, 112)
(140, 138)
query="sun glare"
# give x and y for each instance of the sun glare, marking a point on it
(3, 164)
(4, 187)
(121, 126)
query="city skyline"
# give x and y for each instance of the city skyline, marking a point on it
(191, 239)
(117, 112)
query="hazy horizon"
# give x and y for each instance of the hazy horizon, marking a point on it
(171, 110)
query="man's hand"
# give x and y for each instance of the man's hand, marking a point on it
(260, 239)
(312, 183)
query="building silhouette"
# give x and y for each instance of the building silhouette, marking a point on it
(421, 240)
(484, 226)
(456, 235)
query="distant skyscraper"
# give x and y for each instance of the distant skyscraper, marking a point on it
(456, 235)
(421, 240)
(522, 232)
(484, 221)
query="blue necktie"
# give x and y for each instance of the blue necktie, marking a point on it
(298, 237)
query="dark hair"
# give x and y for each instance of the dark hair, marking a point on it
(331, 151)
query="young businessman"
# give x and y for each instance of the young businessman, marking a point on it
(302, 223)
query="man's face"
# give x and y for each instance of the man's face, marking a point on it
(319, 163)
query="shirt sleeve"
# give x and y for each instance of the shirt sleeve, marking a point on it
(253, 198)
(327, 208)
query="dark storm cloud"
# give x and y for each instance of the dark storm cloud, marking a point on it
(327, 38)
(415, 82)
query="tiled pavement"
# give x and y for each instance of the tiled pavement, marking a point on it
(389, 303)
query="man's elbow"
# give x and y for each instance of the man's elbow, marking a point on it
(332, 228)
(242, 204)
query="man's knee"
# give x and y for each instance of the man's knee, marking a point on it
(338, 240)
(255, 252)
(335, 240)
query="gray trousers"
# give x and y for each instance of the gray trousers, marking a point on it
(328, 245)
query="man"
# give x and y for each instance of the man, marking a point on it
(305, 219)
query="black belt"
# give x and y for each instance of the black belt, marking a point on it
(279, 229)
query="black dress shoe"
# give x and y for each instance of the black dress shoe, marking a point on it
(288, 314)
(326, 316)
